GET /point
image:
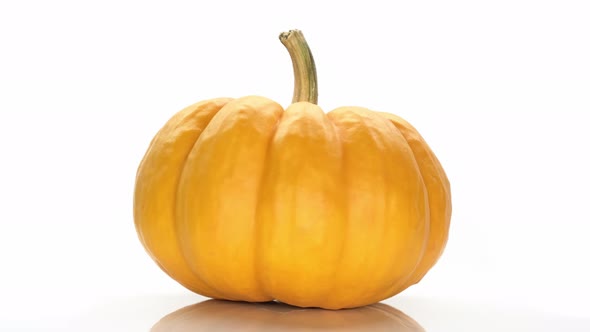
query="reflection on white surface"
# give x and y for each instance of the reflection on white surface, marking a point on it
(486, 315)
(214, 315)
(179, 313)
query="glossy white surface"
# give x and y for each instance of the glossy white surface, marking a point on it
(187, 313)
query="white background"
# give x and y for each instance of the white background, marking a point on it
(500, 90)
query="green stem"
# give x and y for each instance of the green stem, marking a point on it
(306, 81)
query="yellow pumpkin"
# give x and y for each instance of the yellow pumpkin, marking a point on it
(240, 199)
(213, 315)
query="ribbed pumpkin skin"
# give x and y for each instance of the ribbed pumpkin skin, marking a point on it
(242, 200)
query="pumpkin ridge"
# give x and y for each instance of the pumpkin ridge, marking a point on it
(398, 286)
(344, 240)
(365, 115)
(257, 222)
(184, 121)
(356, 121)
(440, 176)
(217, 293)
(238, 123)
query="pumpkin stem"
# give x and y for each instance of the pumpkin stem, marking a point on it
(306, 81)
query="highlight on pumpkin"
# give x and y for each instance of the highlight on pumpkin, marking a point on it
(241, 199)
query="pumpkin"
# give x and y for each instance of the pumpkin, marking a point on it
(240, 199)
(214, 315)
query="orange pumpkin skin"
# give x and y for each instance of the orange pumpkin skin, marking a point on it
(240, 199)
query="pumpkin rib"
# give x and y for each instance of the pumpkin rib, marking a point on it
(416, 141)
(426, 189)
(214, 292)
(397, 282)
(332, 136)
(257, 222)
(247, 119)
(139, 172)
(345, 221)
(176, 134)
(298, 207)
(399, 285)
(446, 189)
(339, 123)
(360, 130)
(217, 293)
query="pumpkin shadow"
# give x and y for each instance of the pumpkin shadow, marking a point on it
(216, 315)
